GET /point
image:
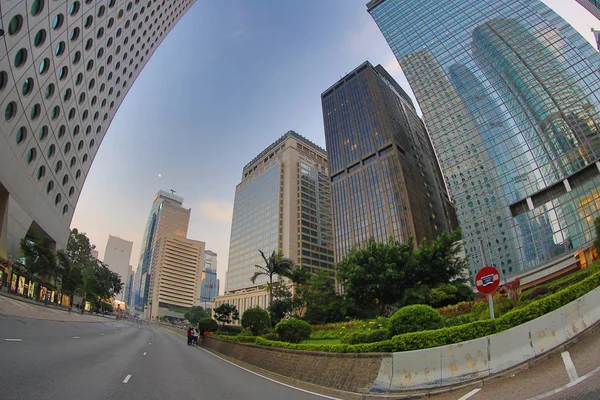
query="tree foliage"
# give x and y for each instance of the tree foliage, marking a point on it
(380, 275)
(256, 320)
(275, 264)
(40, 259)
(195, 314)
(226, 313)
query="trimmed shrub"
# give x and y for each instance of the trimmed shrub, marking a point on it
(232, 329)
(208, 323)
(236, 338)
(460, 320)
(538, 291)
(270, 336)
(417, 317)
(256, 320)
(378, 335)
(293, 330)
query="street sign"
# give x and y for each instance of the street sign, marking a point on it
(487, 280)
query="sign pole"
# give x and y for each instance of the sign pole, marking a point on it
(491, 304)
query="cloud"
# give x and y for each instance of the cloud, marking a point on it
(216, 210)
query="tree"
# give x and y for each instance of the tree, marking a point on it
(70, 273)
(597, 241)
(323, 305)
(276, 264)
(226, 313)
(440, 261)
(377, 275)
(256, 320)
(195, 314)
(40, 259)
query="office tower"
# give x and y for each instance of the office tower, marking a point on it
(509, 93)
(65, 68)
(129, 287)
(117, 256)
(592, 6)
(167, 216)
(175, 280)
(209, 284)
(385, 177)
(135, 289)
(282, 204)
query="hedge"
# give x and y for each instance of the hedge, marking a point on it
(455, 334)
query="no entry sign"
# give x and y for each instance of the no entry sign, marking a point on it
(487, 280)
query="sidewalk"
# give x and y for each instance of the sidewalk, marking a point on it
(14, 305)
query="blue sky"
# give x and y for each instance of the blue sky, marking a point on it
(230, 78)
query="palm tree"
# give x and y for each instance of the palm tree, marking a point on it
(276, 264)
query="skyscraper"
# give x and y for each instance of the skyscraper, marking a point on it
(282, 204)
(65, 68)
(167, 216)
(129, 287)
(592, 6)
(117, 256)
(385, 178)
(175, 279)
(209, 284)
(509, 93)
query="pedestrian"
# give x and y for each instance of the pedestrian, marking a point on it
(195, 337)
(189, 334)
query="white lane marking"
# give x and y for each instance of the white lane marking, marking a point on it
(145, 353)
(101, 334)
(470, 394)
(149, 344)
(567, 386)
(13, 340)
(127, 379)
(566, 357)
(76, 337)
(273, 380)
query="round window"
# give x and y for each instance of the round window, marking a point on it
(74, 8)
(27, 86)
(15, 25)
(31, 154)
(63, 72)
(36, 7)
(41, 172)
(60, 48)
(44, 66)
(43, 133)
(10, 111)
(74, 34)
(58, 21)
(49, 91)
(21, 135)
(35, 111)
(50, 187)
(40, 38)
(20, 58)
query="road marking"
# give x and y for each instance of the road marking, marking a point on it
(101, 334)
(470, 394)
(76, 337)
(272, 380)
(567, 386)
(126, 379)
(145, 353)
(13, 340)
(149, 344)
(566, 357)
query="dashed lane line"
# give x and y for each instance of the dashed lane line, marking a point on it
(76, 337)
(13, 340)
(470, 394)
(145, 353)
(567, 386)
(569, 366)
(127, 378)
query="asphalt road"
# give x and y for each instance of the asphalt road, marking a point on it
(93, 360)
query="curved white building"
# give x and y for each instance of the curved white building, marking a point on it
(65, 68)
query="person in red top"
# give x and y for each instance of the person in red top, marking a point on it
(189, 334)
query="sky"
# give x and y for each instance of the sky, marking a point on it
(229, 79)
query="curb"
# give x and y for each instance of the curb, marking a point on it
(508, 373)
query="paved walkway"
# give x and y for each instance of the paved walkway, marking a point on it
(23, 307)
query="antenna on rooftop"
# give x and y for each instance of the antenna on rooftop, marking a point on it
(172, 191)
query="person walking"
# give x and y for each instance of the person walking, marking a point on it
(189, 335)
(195, 336)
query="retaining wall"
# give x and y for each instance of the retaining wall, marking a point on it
(428, 368)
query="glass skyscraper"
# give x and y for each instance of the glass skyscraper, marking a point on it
(510, 94)
(385, 178)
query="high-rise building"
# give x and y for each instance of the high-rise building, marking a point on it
(167, 216)
(65, 68)
(510, 95)
(592, 6)
(385, 177)
(117, 256)
(283, 203)
(135, 301)
(175, 280)
(209, 284)
(129, 287)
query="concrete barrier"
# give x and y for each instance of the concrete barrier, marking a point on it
(429, 368)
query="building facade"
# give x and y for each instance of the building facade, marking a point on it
(282, 204)
(167, 216)
(592, 6)
(510, 95)
(385, 177)
(209, 284)
(175, 280)
(117, 256)
(65, 68)
(129, 287)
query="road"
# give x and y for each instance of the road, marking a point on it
(55, 355)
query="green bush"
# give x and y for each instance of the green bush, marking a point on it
(378, 335)
(479, 307)
(460, 320)
(270, 336)
(233, 329)
(417, 317)
(538, 291)
(330, 334)
(293, 330)
(235, 338)
(208, 323)
(256, 320)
